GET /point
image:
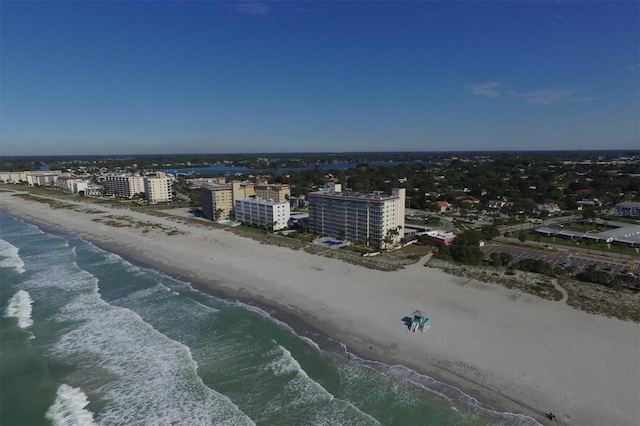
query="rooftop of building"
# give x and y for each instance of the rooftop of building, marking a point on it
(328, 193)
(263, 201)
(625, 204)
(217, 186)
(272, 185)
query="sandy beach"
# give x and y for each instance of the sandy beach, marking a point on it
(531, 356)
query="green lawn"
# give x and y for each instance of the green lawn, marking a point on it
(592, 248)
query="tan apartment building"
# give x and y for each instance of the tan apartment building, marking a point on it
(13, 177)
(276, 192)
(158, 188)
(218, 200)
(43, 178)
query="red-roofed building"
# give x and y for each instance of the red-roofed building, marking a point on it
(442, 206)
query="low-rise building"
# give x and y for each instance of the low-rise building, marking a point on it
(628, 209)
(442, 206)
(72, 184)
(91, 190)
(13, 177)
(297, 202)
(551, 208)
(270, 214)
(41, 178)
(440, 237)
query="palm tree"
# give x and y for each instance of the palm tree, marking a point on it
(304, 225)
(588, 215)
(587, 243)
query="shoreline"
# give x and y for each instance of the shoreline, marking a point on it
(300, 326)
(225, 265)
(296, 323)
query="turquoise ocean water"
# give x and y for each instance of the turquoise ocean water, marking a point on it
(88, 338)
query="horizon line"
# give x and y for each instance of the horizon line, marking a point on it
(580, 150)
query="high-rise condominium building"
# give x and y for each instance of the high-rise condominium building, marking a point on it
(158, 189)
(128, 186)
(372, 219)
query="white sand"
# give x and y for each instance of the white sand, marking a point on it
(531, 356)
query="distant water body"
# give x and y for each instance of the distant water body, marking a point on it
(219, 169)
(88, 338)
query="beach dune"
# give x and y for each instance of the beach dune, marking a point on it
(530, 356)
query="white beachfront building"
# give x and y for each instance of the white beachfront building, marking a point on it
(32, 178)
(260, 212)
(373, 219)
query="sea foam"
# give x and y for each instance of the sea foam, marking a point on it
(69, 408)
(20, 307)
(9, 257)
(469, 404)
(144, 376)
(302, 393)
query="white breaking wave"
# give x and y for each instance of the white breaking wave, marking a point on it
(311, 343)
(469, 404)
(300, 384)
(263, 314)
(9, 257)
(146, 377)
(69, 408)
(301, 390)
(20, 307)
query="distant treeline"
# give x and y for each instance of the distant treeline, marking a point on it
(280, 160)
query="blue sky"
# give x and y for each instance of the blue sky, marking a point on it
(228, 76)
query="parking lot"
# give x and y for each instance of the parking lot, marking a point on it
(565, 258)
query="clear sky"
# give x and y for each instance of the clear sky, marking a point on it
(128, 77)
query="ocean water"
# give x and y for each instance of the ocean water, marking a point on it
(89, 338)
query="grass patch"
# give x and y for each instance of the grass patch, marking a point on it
(596, 299)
